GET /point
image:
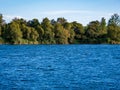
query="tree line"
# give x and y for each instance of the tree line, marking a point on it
(20, 31)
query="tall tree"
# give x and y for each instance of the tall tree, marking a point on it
(115, 19)
(103, 25)
(25, 31)
(61, 34)
(68, 26)
(102, 33)
(79, 31)
(34, 35)
(1, 24)
(14, 33)
(48, 31)
(114, 29)
(40, 31)
(93, 29)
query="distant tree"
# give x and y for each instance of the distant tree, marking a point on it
(33, 35)
(93, 32)
(78, 28)
(2, 25)
(61, 20)
(53, 22)
(61, 34)
(48, 31)
(33, 23)
(103, 26)
(114, 20)
(20, 21)
(23, 28)
(20, 31)
(1, 28)
(40, 31)
(113, 29)
(79, 31)
(1, 20)
(68, 26)
(114, 33)
(26, 31)
(93, 29)
(102, 34)
(13, 33)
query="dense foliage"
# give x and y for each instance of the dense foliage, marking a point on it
(20, 31)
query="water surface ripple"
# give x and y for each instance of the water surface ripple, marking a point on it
(59, 67)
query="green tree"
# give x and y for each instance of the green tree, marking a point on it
(93, 29)
(1, 29)
(34, 36)
(53, 22)
(48, 31)
(14, 33)
(20, 21)
(93, 32)
(79, 31)
(103, 26)
(33, 23)
(40, 31)
(2, 25)
(114, 33)
(102, 33)
(68, 26)
(61, 34)
(26, 31)
(20, 31)
(113, 29)
(78, 28)
(114, 20)
(29, 34)
(61, 20)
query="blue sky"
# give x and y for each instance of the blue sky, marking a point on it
(82, 11)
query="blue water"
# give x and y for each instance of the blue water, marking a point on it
(59, 67)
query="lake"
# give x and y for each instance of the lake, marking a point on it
(59, 67)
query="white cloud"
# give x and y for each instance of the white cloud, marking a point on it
(61, 12)
(66, 12)
(10, 17)
(82, 16)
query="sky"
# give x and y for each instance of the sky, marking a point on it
(82, 11)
